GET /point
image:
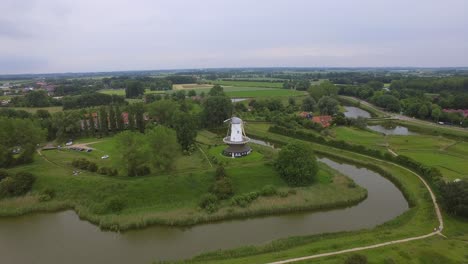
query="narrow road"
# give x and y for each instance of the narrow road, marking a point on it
(403, 117)
(333, 253)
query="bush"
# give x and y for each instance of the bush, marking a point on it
(92, 167)
(143, 170)
(222, 188)
(3, 174)
(283, 194)
(356, 259)
(268, 190)
(114, 205)
(46, 195)
(108, 171)
(245, 199)
(208, 200)
(16, 185)
(220, 172)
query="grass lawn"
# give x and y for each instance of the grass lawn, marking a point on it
(121, 92)
(51, 109)
(420, 219)
(250, 84)
(265, 93)
(168, 198)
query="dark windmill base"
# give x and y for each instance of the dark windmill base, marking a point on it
(237, 151)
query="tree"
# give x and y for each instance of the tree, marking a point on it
(162, 142)
(137, 110)
(163, 111)
(387, 101)
(296, 164)
(423, 111)
(16, 185)
(186, 128)
(37, 99)
(356, 259)
(325, 88)
(134, 89)
(436, 112)
(328, 105)
(217, 90)
(133, 151)
(309, 104)
(216, 110)
(20, 136)
(119, 118)
(103, 124)
(112, 119)
(455, 197)
(192, 93)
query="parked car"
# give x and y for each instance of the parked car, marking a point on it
(69, 143)
(105, 157)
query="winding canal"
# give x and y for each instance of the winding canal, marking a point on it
(64, 238)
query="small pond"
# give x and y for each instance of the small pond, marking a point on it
(355, 112)
(397, 130)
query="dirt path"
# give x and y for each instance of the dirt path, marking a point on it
(437, 232)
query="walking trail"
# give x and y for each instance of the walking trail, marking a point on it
(438, 231)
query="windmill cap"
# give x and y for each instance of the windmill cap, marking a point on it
(236, 120)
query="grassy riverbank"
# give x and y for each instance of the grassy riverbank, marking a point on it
(419, 220)
(171, 199)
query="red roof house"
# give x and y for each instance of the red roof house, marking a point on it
(325, 121)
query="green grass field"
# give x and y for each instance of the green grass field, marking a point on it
(250, 84)
(32, 110)
(167, 197)
(265, 93)
(121, 92)
(420, 219)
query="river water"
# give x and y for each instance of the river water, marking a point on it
(63, 238)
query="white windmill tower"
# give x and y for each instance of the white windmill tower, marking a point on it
(236, 139)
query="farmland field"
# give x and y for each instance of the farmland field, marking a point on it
(32, 110)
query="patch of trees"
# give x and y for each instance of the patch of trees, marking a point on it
(84, 164)
(432, 175)
(300, 85)
(455, 197)
(181, 79)
(134, 89)
(37, 98)
(328, 105)
(157, 148)
(18, 140)
(296, 164)
(90, 100)
(216, 109)
(326, 88)
(16, 184)
(388, 102)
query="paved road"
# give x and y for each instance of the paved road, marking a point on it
(438, 231)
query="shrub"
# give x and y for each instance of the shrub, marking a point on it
(283, 193)
(46, 195)
(114, 205)
(356, 259)
(268, 190)
(220, 172)
(244, 200)
(16, 185)
(143, 170)
(3, 174)
(208, 200)
(92, 167)
(222, 188)
(107, 171)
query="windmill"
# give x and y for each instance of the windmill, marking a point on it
(236, 139)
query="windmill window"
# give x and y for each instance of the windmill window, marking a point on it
(237, 131)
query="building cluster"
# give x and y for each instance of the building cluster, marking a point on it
(463, 112)
(323, 120)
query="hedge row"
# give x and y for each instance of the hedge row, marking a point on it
(432, 175)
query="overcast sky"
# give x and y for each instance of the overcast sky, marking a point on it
(108, 35)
